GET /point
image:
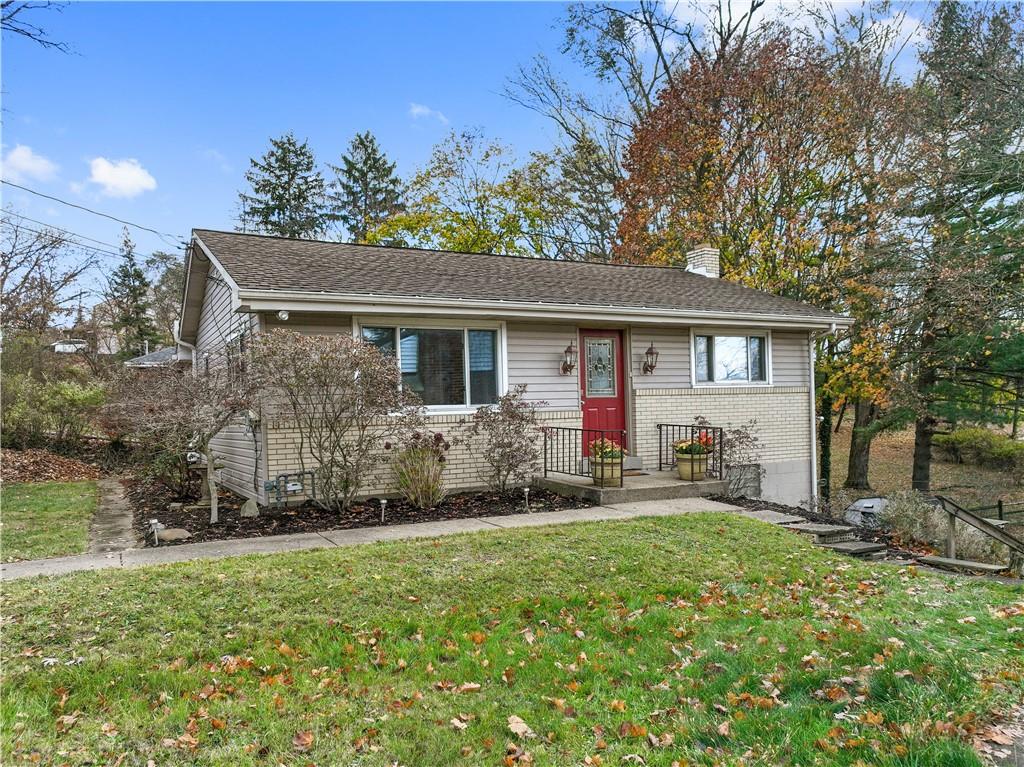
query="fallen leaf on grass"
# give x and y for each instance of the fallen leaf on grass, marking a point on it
(520, 728)
(303, 740)
(724, 729)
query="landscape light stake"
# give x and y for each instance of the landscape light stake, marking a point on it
(526, 495)
(383, 505)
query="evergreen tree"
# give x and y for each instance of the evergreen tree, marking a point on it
(288, 193)
(366, 190)
(128, 295)
(966, 218)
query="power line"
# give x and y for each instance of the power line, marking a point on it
(60, 229)
(162, 235)
(73, 242)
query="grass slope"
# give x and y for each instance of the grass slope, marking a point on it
(45, 519)
(704, 639)
(892, 458)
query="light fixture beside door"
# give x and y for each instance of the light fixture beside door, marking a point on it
(569, 358)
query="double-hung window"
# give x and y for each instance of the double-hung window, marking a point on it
(445, 367)
(730, 359)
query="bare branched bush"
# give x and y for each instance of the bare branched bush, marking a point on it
(345, 399)
(172, 412)
(506, 436)
(741, 447)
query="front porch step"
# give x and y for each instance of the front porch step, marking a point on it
(960, 564)
(657, 486)
(825, 534)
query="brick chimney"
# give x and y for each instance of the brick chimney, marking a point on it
(703, 260)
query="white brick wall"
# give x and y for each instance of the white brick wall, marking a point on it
(464, 467)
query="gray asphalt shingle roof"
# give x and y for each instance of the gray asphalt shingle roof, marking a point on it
(258, 262)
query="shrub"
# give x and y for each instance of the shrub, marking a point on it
(740, 447)
(506, 437)
(985, 448)
(910, 516)
(419, 469)
(34, 412)
(345, 399)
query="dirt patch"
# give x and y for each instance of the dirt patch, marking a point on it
(151, 503)
(43, 466)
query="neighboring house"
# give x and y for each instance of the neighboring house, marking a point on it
(466, 327)
(166, 355)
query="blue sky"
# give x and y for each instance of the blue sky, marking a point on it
(155, 114)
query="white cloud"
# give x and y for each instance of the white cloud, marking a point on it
(120, 178)
(417, 111)
(21, 164)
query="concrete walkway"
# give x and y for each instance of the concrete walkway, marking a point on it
(330, 538)
(112, 529)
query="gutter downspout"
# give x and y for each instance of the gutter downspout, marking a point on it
(811, 358)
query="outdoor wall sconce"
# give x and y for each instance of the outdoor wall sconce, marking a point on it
(570, 355)
(650, 359)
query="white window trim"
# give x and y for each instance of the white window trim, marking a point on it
(501, 352)
(765, 333)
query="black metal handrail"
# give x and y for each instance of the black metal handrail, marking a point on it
(670, 433)
(566, 452)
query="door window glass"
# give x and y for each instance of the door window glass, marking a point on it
(600, 367)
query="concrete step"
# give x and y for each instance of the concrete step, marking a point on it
(855, 548)
(825, 533)
(774, 517)
(635, 489)
(961, 564)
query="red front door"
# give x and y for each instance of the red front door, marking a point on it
(602, 383)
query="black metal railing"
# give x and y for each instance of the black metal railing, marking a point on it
(567, 451)
(670, 433)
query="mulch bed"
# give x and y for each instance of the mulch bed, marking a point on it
(152, 503)
(43, 466)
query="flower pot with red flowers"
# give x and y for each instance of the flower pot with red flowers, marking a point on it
(692, 457)
(606, 462)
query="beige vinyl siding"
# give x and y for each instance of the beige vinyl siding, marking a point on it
(673, 345)
(311, 324)
(789, 359)
(236, 447)
(535, 354)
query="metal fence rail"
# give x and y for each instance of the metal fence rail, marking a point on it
(670, 433)
(566, 452)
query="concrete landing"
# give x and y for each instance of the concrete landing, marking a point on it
(656, 486)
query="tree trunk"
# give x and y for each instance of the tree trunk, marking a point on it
(211, 482)
(924, 429)
(860, 445)
(1018, 397)
(825, 447)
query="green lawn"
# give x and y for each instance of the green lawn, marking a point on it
(45, 519)
(704, 639)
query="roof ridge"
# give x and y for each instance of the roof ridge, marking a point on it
(439, 250)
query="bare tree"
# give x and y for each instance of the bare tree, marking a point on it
(12, 19)
(39, 275)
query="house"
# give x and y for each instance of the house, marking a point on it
(465, 327)
(165, 355)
